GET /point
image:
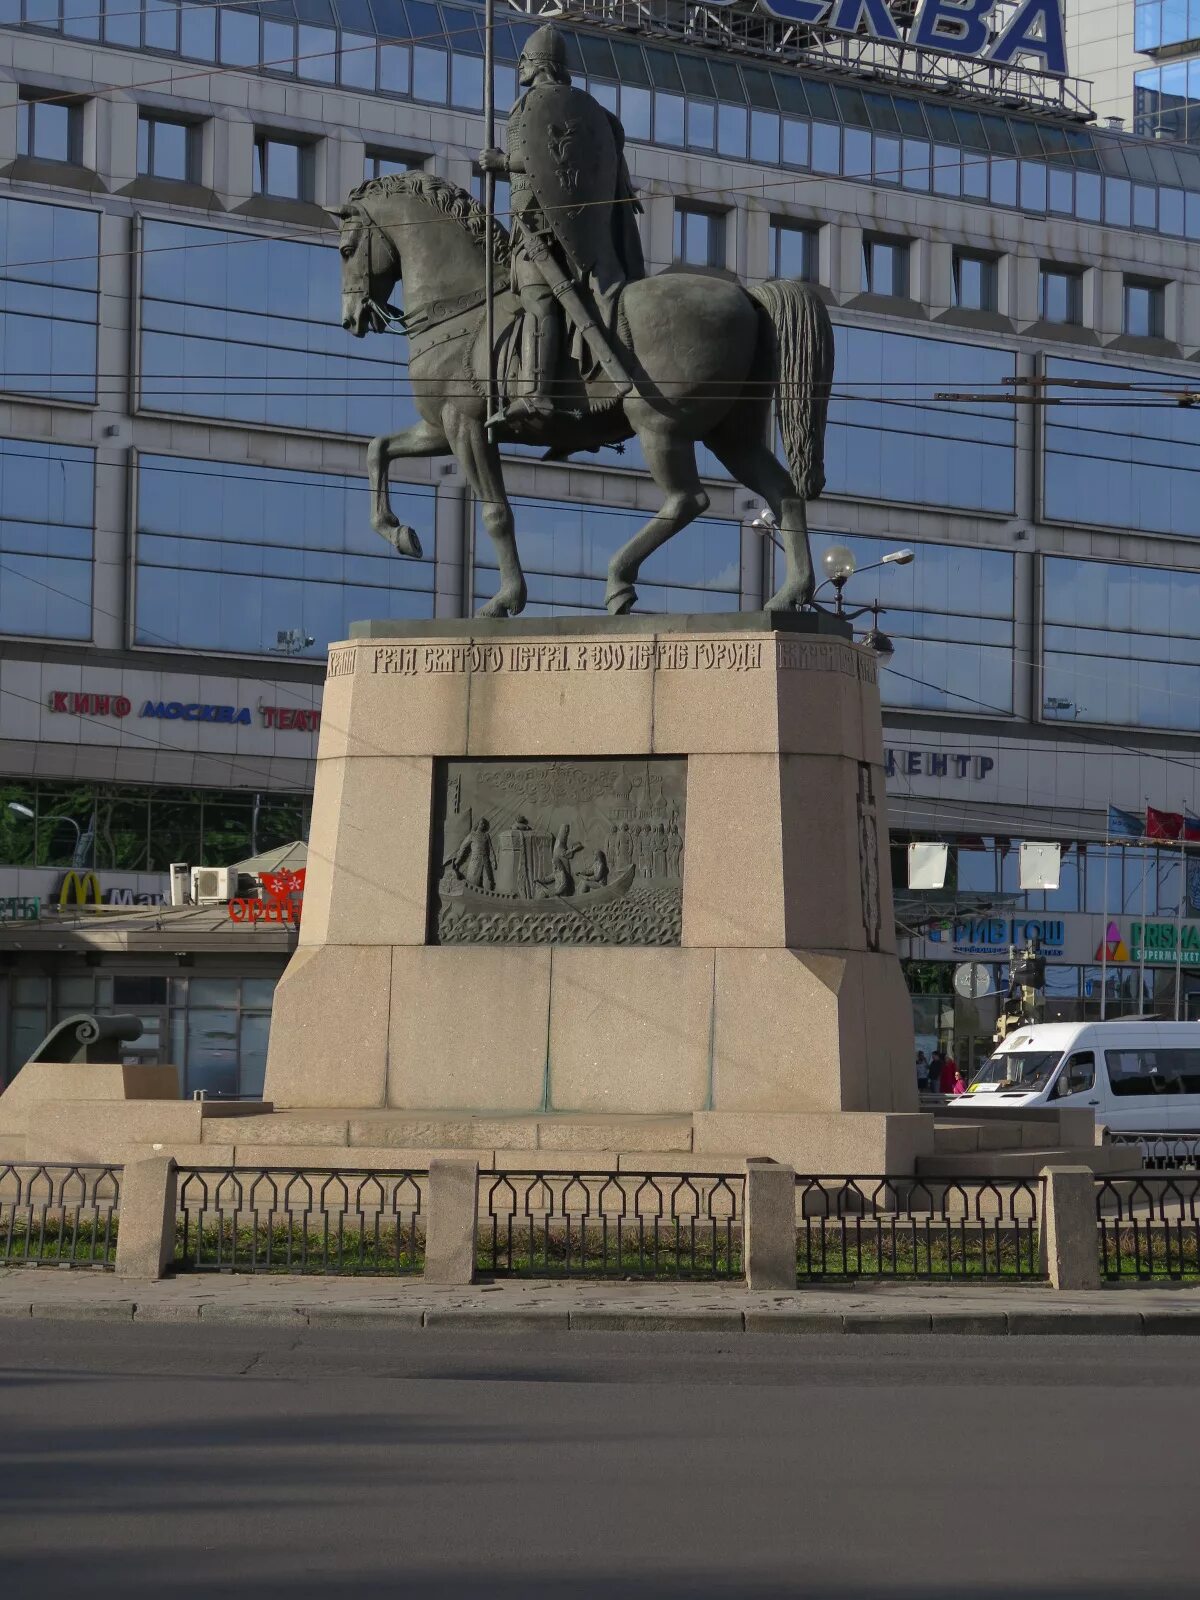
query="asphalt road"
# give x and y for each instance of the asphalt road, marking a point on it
(185, 1461)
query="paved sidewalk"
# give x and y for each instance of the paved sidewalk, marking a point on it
(533, 1306)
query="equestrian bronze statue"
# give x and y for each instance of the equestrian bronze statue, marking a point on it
(589, 351)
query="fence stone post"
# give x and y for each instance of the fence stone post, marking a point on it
(770, 1225)
(450, 1224)
(146, 1231)
(1070, 1246)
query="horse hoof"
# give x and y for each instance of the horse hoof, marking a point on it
(620, 600)
(786, 599)
(402, 538)
(494, 608)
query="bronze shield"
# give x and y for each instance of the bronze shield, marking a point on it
(571, 160)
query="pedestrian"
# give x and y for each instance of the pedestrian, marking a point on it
(960, 1083)
(922, 1072)
(935, 1071)
(946, 1075)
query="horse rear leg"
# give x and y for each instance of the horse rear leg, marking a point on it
(672, 462)
(422, 440)
(753, 464)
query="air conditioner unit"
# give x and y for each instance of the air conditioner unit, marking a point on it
(214, 885)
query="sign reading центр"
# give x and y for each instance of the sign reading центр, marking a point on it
(942, 27)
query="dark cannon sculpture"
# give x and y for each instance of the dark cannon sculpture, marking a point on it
(87, 1039)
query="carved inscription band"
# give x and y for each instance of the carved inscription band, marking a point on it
(604, 656)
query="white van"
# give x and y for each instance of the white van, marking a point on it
(1138, 1076)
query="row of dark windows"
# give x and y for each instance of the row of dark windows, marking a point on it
(135, 828)
(283, 168)
(130, 828)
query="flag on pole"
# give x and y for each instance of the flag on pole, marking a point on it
(1163, 824)
(1124, 824)
(1191, 828)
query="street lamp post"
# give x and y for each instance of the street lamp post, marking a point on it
(840, 566)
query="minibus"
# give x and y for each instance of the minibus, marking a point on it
(1136, 1074)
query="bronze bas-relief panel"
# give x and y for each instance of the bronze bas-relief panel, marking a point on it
(559, 852)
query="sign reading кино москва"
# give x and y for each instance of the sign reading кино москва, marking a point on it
(1033, 33)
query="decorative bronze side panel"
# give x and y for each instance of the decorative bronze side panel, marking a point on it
(868, 854)
(558, 852)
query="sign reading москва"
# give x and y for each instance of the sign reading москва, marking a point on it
(302, 719)
(944, 27)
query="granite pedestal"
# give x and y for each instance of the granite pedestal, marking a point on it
(768, 1010)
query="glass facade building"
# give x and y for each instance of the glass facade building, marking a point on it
(185, 520)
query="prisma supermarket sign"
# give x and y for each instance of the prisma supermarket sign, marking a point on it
(947, 27)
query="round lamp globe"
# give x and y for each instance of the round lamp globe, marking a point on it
(838, 563)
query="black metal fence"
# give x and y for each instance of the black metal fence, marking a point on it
(1149, 1226)
(1161, 1152)
(968, 1228)
(610, 1225)
(292, 1220)
(54, 1215)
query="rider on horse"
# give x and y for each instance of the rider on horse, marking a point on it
(574, 228)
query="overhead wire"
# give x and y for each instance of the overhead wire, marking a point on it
(1082, 734)
(759, 185)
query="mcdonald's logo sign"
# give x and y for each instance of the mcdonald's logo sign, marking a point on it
(79, 889)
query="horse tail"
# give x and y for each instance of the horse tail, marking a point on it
(804, 373)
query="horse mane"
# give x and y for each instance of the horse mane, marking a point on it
(447, 198)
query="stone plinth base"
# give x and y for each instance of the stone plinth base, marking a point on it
(102, 1082)
(752, 968)
(842, 1144)
(641, 1031)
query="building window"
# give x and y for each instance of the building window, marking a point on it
(214, 1028)
(266, 328)
(382, 164)
(130, 828)
(699, 236)
(168, 149)
(282, 168)
(974, 281)
(1144, 308)
(226, 561)
(885, 267)
(50, 129)
(48, 309)
(1118, 647)
(950, 617)
(46, 537)
(897, 443)
(1106, 465)
(1060, 295)
(572, 545)
(793, 250)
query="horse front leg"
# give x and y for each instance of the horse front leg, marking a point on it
(481, 463)
(424, 439)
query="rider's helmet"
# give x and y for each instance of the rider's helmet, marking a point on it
(546, 48)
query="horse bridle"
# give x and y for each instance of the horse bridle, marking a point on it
(386, 314)
(391, 317)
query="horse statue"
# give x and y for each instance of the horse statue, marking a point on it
(707, 355)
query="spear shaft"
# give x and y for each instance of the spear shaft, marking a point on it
(489, 200)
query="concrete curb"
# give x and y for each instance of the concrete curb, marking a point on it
(604, 1319)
